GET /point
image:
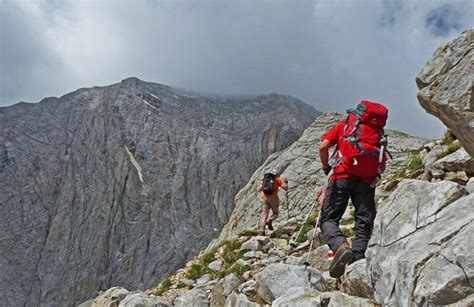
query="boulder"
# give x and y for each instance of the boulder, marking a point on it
(470, 185)
(140, 299)
(216, 265)
(230, 282)
(301, 297)
(445, 85)
(421, 251)
(459, 160)
(274, 280)
(337, 299)
(458, 177)
(248, 287)
(111, 297)
(356, 281)
(239, 300)
(192, 298)
(430, 158)
(254, 244)
(217, 297)
(318, 258)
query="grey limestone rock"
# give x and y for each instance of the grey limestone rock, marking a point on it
(110, 298)
(337, 299)
(456, 162)
(216, 265)
(298, 296)
(239, 300)
(275, 279)
(193, 298)
(356, 281)
(446, 87)
(142, 300)
(122, 184)
(420, 252)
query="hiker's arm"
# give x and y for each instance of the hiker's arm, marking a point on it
(260, 187)
(284, 184)
(324, 152)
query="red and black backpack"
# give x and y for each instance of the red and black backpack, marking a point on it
(363, 144)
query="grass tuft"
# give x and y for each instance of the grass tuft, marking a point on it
(307, 227)
(163, 287)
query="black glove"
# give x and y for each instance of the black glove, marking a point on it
(326, 170)
(285, 180)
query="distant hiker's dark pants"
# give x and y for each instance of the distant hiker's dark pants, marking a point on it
(335, 204)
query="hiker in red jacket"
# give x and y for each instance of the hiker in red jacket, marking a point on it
(359, 162)
(270, 186)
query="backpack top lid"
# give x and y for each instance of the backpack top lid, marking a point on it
(273, 173)
(370, 113)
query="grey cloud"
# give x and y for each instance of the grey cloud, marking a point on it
(330, 54)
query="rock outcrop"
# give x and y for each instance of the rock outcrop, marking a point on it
(420, 252)
(121, 185)
(447, 88)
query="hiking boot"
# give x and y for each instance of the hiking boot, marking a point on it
(261, 233)
(269, 224)
(342, 257)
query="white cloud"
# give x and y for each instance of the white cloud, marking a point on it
(328, 53)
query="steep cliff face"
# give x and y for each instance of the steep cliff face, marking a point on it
(119, 185)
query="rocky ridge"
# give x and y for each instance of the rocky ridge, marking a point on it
(422, 226)
(125, 183)
(420, 253)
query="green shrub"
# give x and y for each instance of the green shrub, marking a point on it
(237, 268)
(231, 251)
(197, 270)
(416, 163)
(448, 138)
(307, 227)
(163, 287)
(209, 257)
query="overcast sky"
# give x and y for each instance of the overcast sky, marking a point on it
(328, 53)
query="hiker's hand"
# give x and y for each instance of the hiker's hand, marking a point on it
(285, 180)
(327, 169)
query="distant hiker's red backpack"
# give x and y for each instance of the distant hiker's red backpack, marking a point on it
(363, 143)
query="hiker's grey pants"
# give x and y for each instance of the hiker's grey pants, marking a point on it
(362, 196)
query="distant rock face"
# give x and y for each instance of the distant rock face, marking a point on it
(421, 252)
(446, 86)
(300, 163)
(120, 185)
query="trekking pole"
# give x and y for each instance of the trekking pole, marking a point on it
(287, 207)
(317, 229)
(293, 243)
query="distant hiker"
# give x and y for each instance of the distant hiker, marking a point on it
(269, 187)
(359, 162)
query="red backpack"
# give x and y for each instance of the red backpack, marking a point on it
(363, 144)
